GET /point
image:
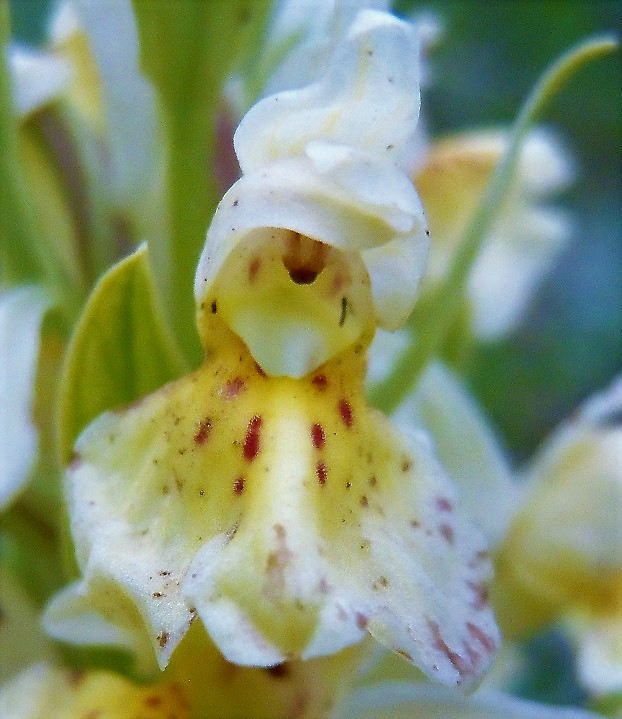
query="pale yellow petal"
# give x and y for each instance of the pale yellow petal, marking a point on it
(54, 693)
(286, 514)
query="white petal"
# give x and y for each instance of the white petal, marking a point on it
(337, 208)
(129, 101)
(28, 695)
(404, 700)
(599, 660)
(573, 509)
(285, 514)
(21, 313)
(309, 29)
(368, 99)
(37, 78)
(605, 408)
(512, 264)
(466, 445)
(94, 612)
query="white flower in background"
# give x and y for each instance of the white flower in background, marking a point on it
(527, 236)
(21, 313)
(37, 78)
(110, 89)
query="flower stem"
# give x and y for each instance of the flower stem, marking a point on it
(432, 328)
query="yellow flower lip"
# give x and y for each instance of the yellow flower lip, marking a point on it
(285, 514)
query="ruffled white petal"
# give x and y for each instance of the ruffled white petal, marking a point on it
(368, 99)
(306, 32)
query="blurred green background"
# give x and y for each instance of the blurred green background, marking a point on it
(570, 342)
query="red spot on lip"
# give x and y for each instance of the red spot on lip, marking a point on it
(251, 441)
(253, 268)
(318, 435)
(260, 371)
(234, 387)
(345, 410)
(361, 620)
(478, 558)
(322, 472)
(443, 504)
(480, 635)
(320, 382)
(238, 485)
(203, 432)
(447, 532)
(480, 595)
(459, 662)
(152, 702)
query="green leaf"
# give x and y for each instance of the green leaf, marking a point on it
(188, 50)
(121, 348)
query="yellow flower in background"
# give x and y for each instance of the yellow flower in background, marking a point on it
(44, 691)
(527, 236)
(261, 494)
(562, 555)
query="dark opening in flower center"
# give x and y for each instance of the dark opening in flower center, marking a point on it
(304, 258)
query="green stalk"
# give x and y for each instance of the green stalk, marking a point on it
(444, 306)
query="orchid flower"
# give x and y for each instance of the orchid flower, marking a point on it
(308, 520)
